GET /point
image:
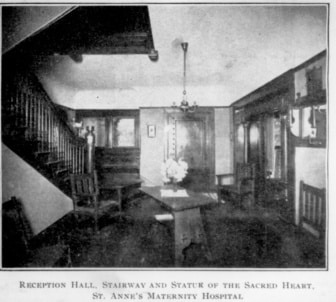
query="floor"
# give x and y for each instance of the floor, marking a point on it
(250, 238)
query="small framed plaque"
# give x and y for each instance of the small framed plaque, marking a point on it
(151, 130)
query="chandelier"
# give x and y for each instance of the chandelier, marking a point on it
(184, 106)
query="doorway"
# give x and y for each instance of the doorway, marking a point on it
(191, 138)
(268, 150)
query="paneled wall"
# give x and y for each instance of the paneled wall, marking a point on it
(224, 140)
(152, 148)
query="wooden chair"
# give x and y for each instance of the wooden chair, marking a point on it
(312, 210)
(86, 197)
(20, 248)
(243, 185)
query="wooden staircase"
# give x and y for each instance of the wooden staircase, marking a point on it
(33, 128)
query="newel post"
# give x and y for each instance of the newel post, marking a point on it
(90, 139)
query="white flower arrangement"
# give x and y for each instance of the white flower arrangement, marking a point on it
(174, 171)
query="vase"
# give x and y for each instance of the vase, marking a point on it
(172, 185)
(175, 186)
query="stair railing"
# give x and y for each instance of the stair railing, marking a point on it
(30, 116)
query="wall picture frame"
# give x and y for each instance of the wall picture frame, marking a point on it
(151, 131)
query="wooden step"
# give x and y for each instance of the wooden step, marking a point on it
(53, 162)
(42, 153)
(60, 171)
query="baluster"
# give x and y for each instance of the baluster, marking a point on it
(46, 136)
(40, 116)
(68, 150)
(59, 139)
(76, 157)
(26, 116)
(20, 109)
(70, 155)
(66, 155)
(54, 134)
(310, 207)
(83, 158)
(79, 158)
(38, 121)
(315, 209)
(62, 142)
(35, 118)
(16, 110)
(51, 130)
(30, 119)
(73, 156)
(48, 129)
(23, 112)
(13, 116)
(43, 114)
(9, 114)
(42, 124)
(81, 154)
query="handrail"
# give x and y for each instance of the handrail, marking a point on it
(28, 114)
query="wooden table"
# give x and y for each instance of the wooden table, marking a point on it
(118, 187)
(188, 225)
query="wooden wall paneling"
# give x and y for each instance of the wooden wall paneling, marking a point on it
(203, 115)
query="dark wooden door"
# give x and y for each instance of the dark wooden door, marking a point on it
(190, 139)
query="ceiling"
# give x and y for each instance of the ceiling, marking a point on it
(233, 49)
(94, 30)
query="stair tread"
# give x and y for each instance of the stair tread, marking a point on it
(53, 162)
(61, 170)
(42, 152)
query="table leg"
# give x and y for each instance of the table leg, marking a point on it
(119, 199)
(188, 228)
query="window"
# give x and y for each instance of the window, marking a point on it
(122, 132)
(99, 129)
(112, 131)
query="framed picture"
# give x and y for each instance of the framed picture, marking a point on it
(151, 130)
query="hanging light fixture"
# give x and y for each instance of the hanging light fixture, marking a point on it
(184, 106)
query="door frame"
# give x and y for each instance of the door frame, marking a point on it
(207, 115)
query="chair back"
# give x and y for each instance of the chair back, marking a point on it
(245, 177)
(245, 170)
(84, 185)
(312, 209)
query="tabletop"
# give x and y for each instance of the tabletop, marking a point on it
(177, 203)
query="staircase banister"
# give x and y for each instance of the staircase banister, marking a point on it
(32, 85)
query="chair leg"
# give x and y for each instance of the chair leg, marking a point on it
(119, 200)
(219, 198)
(69, 261)
(96, 229)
